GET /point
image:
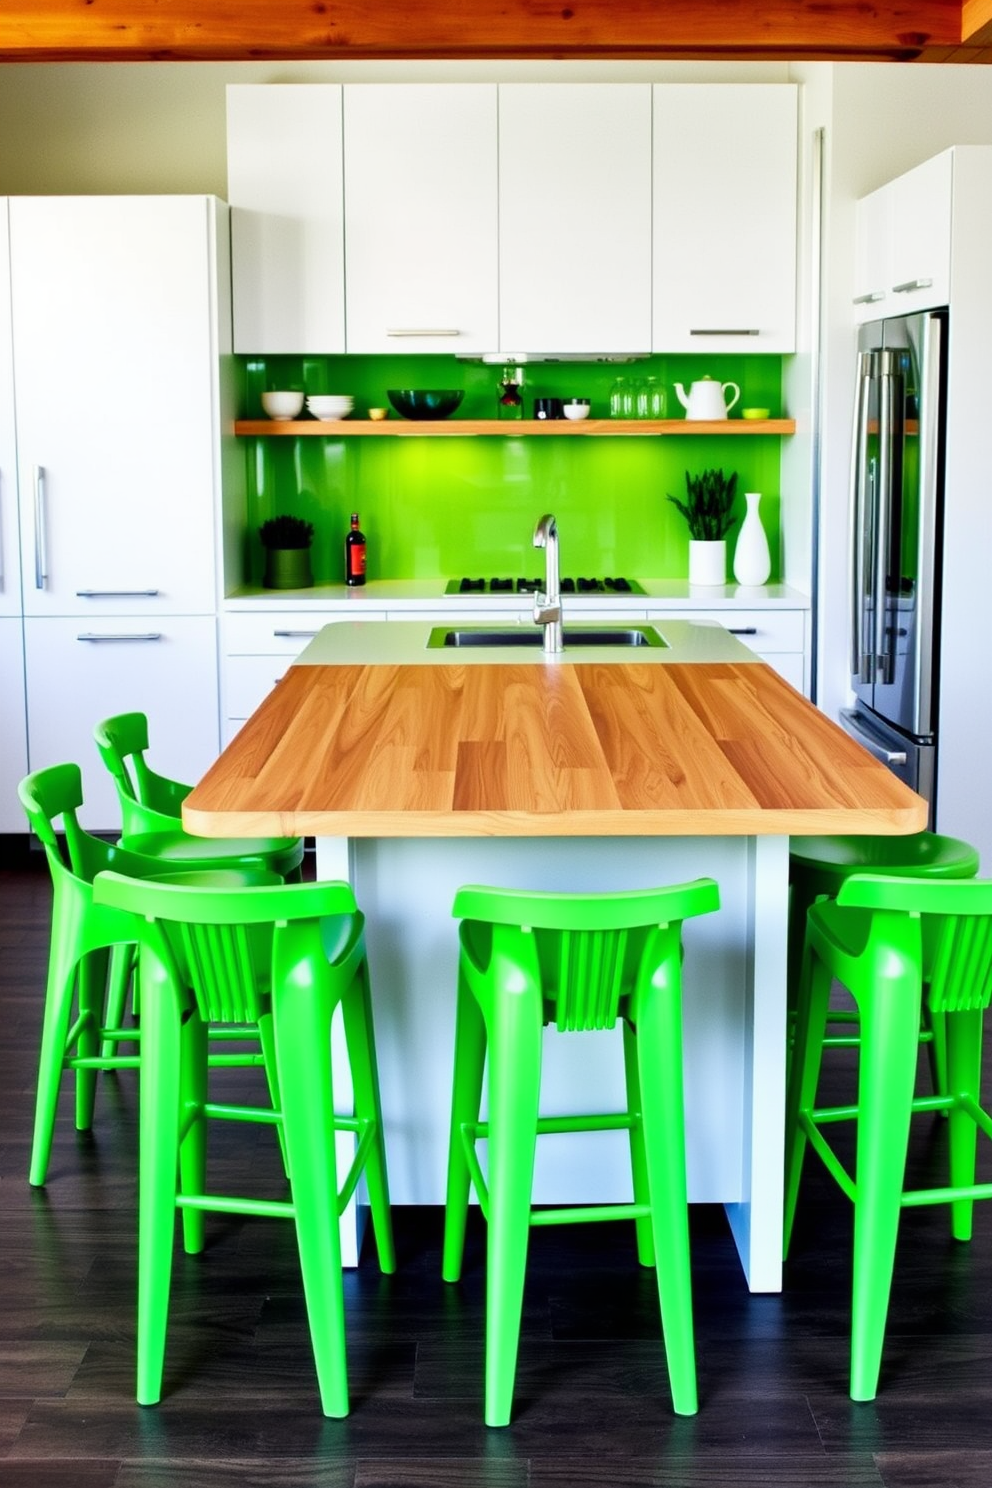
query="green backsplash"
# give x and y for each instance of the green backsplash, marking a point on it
(442, 507)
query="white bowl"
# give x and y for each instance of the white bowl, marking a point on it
(575, 410)
(330, 405)
(282, 405)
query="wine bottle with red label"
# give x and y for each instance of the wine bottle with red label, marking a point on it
(354, 554)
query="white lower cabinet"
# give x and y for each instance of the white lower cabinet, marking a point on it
(777, 636)
(81, 671)
(13, 737)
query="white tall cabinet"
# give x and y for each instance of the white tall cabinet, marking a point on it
(121, 327)
(13, 727)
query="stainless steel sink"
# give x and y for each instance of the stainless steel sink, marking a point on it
(523, 635)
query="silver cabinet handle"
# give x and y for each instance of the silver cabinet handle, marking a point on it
(121, 635)
(912, 284)
(293, 635)
(871, 298)
(723, 331)
(116, 593)
(858, 514)
(426, 331)
(869, 742)
(40, 535)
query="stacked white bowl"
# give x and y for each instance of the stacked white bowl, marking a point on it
(282, 405)
(330, 405)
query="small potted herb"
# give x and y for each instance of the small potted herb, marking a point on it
(708, 510)
(286, 541)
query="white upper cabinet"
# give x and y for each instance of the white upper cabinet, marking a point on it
(421, 217)
(118, 326)
(575, 217)
(285, 186)
(725, 210)
(903, 242)
(10, 562)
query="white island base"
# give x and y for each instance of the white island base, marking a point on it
(734, 1017)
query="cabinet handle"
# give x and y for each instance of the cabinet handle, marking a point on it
(723, 331)
(912, 284)
(40, 535)
(871, 298)
(116, 593)
(426, 331)
(121, 635)
(743, 629)
(293, 635)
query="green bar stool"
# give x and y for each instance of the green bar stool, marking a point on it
(818, 866)
(283, 958)
(151, 810)
(89, 960)
(873, 939)
(580, 961)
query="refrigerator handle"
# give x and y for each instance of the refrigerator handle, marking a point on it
(859, 466)
(929, 441)
(886, 435)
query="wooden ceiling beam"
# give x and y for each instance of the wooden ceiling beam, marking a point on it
(262, 30)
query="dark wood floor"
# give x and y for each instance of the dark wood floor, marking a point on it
(592, 1406)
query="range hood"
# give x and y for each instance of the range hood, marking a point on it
(521, 358)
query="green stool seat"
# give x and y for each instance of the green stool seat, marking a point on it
(581, 962)
(282, 958)
(151, 809)
(90, 954)
(873, 939)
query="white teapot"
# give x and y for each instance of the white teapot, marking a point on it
(707, 398)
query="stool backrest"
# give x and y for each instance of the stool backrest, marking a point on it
(958, 915)
(229, 944)
(54, 796)
(147, 799)
(586, 951)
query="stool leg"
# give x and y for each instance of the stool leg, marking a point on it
(659, 1053)
(638, 1160)
(159, 1104)
(514, 1098)
(301, 1018)
(804, 1074)
(889, 1004)
(964, 1071)
(55, 1029)
(92, 993)
(360, 1038)
(193, 1092)
(122, 960)
(466, 1098)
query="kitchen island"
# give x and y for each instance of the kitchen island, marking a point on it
(419, 769)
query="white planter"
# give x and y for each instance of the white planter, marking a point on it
(752, 560)
(708, 562)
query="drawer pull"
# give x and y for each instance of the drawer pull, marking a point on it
(424, 331)
(724, 331)
(293, 635)
(871, 298)
(912, 284)
(743, 629)
(123, 635)
(116, 593)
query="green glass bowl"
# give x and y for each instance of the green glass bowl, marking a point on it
(421, 403)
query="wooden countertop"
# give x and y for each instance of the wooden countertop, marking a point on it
(622, 749)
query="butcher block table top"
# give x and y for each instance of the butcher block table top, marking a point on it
(487, 746)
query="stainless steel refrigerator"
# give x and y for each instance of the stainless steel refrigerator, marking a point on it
(897, 485)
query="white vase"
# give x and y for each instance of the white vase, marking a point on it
(707, 562)
(752, 560)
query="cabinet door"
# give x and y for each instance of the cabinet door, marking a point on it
(79, 672)
(285, 186)
(872, 244)
(575, 217)
(13, 734)
(116, 349)
(725, 211)
(10, 562)
(421, 217)
(920, 227)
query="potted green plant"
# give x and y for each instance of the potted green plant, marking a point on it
(708, 509)
(286, 540)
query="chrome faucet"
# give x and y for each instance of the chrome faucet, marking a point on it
(547, 606)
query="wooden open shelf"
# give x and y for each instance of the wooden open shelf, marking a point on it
(350, 428)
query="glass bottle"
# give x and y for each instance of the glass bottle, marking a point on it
(641, 398)
(618, 396)
(657, 401)
(510, 404)
(354, 554)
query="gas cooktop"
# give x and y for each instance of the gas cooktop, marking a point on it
(605, 586)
